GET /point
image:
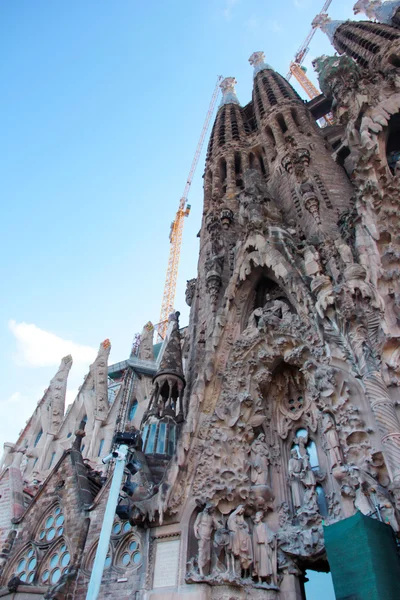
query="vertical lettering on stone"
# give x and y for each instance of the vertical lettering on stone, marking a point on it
(166, 563)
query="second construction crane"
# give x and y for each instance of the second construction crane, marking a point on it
(298, 71)
(175, 236)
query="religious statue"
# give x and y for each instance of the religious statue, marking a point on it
(221, 543)
(264, 550)
(240, 545)
(332, 441)
(295, 473)
(203, 528)
(259, 461)
(273, 312)
(308, 478)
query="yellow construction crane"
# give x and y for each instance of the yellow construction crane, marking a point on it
(299, 72)
(175, 236)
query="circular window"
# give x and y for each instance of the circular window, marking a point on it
(117, 528)
(26, 566)
(52, 525)
(57, 565)
(55, 576)
(45, 576)
(130, 555)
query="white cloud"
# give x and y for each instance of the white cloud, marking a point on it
(228, 9)
(39, 348)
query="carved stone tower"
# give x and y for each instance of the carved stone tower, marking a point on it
(273, 418)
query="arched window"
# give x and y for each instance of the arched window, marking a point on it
(37, 438)
(92, 555)
(129, 555)
(132, 410)
(25, 565)
(120, 527)
(159, 438)
(52, 525)
(101, 445)
(282, 123)
(55, 564)
(310, 448)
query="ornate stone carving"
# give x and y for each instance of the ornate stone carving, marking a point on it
(190, 291)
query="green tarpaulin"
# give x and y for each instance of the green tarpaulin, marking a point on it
(363, 558)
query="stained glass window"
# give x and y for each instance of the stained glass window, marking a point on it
(26, 565)
(52, 525)
(56, 565)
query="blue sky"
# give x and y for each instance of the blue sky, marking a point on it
(101, 108)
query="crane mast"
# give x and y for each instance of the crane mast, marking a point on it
(175, 236)
(296, 70)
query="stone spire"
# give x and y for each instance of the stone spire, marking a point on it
(228, 91)
(98, 370)
(258, 62)
(171, 361)
(326, 25)
(383, 12)
(55, 394)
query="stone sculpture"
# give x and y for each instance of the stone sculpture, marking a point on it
(203, 528)
(332, 441)
(264, 550)
(295, 475)
(240, 552)
(259, 461)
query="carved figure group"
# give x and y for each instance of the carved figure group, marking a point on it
(240, 553)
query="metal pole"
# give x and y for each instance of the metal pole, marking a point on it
(104, 540)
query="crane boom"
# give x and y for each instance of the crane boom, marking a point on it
(302, 51)
(299, 73)
(175, 236)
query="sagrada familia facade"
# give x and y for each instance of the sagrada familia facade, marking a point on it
(273, 417)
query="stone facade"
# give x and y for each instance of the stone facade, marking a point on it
(276, 409)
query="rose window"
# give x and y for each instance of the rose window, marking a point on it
(53, 526)
(130, 556)
(295, 404)
(57, 565)
(26, 566)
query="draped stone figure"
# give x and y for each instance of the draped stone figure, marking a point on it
(240, 545)
(295, 473)
(259, 461)
(264, 550)
(308, 478)
(203, 528)
(332, 441)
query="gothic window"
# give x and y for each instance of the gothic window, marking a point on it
(238, 169)
(92, 556)
(310, 447)
(222, 175)
(132, 410)
(159, 438)
(25, 566)
(121, 527)
(37, 438)
(101, 446)
(129, 556)
(52, 525)
(55, 565)
(282, 123)
(270, 136)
